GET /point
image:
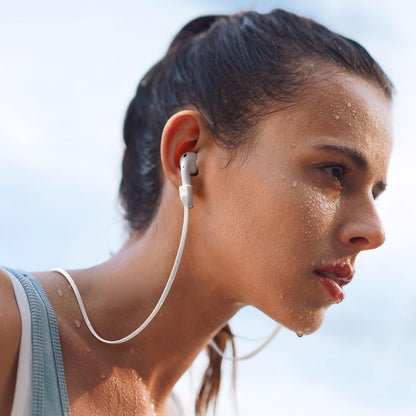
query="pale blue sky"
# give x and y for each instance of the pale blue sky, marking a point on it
(67, 73)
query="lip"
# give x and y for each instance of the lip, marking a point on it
(334, 277)
(340, 273)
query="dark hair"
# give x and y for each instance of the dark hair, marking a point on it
(231, 69)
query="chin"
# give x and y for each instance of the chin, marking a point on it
(305, 323)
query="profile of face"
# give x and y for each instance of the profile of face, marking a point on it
(285, 220)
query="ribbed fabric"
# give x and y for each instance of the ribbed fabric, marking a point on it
(49, 394)
(22, 403)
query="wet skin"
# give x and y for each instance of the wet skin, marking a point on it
(304, 197)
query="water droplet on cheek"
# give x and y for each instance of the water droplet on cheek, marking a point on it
(294, 184)
(283, 176)
(337, 117)
(349, 105)
(77, 323)
(323, 261)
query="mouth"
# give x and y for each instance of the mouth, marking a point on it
(333, 278)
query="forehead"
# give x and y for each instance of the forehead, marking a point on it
(338, 108)
(352, 107)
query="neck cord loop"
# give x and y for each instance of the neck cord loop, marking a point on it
(250, 354)
(159, 303)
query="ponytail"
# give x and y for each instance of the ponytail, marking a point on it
(211, 381)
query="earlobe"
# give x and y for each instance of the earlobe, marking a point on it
(180, 135)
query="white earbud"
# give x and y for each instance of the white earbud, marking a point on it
(188, 168)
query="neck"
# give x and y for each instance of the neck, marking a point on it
(120, 293)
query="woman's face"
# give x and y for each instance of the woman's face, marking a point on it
(287, 221)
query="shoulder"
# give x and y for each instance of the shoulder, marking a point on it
(10, 326)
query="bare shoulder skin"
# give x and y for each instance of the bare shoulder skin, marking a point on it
(10, 326)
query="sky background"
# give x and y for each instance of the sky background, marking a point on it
(67, 73)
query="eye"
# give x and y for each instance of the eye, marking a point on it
(336, 172)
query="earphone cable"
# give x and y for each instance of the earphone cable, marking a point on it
(159, 303)
(250, 354)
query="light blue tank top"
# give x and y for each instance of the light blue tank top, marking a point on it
(49, 394)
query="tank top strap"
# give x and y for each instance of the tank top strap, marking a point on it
(49, 394)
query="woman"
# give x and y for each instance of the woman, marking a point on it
(290, 125)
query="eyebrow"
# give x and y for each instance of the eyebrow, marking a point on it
(356, 157)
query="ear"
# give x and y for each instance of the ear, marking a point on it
(183, 132)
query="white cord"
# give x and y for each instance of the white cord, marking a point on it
(246, 338)
(159, 303)
(250, 354)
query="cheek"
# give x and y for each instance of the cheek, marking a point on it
(319, 214)
(276, 223)
(296, 216)
(275, 230)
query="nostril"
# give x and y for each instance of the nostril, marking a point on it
(359, 240)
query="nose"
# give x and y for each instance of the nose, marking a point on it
(362, 229)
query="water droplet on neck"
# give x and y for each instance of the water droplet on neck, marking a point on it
(77, 323)
(283, 176)
(349, 104)
(294, 184)
(60, 292)
(337, 117)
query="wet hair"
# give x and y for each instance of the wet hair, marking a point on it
(233, 69)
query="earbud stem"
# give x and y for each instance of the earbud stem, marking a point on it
(186, 193)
